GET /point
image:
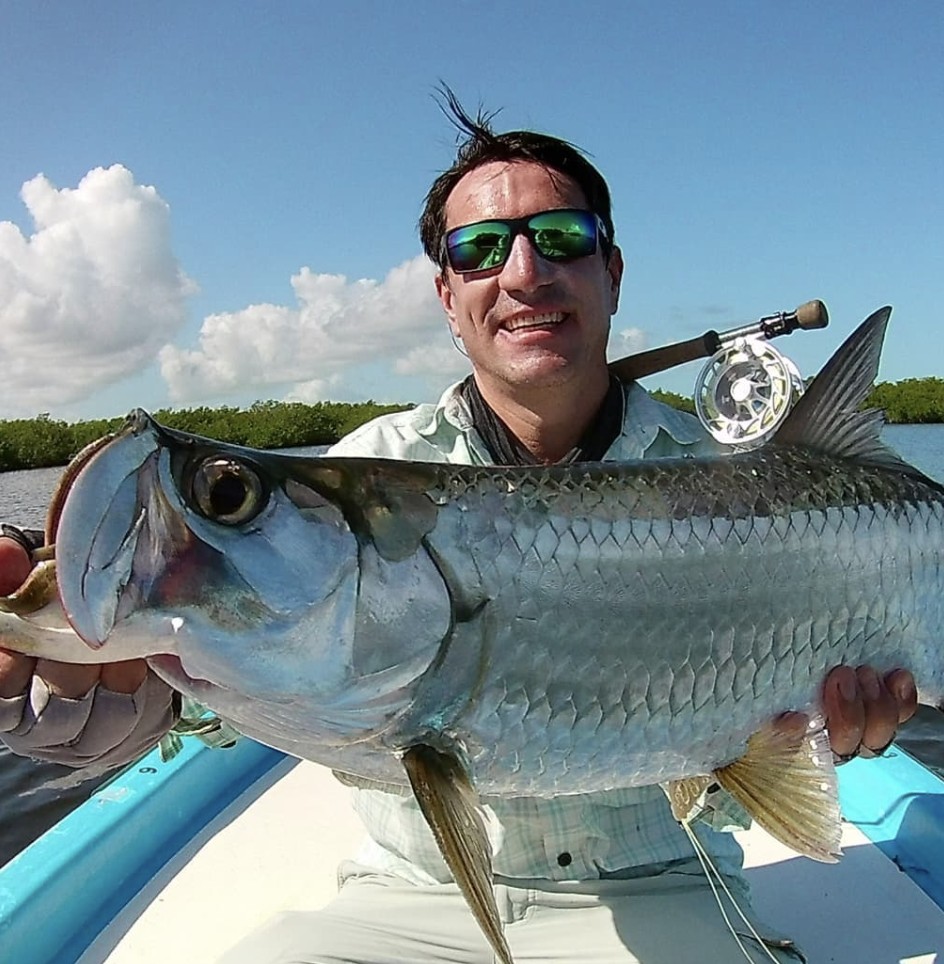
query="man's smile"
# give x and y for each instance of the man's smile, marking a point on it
(548, 319)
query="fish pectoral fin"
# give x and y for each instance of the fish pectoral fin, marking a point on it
(787, 782)
(450, 805)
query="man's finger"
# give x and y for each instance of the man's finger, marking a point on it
(881, 710)
(845, 711)
(67, 679)
(124, 677)
(16, 671)
(901, 685)
(15, 565)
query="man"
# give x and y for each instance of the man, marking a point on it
(529, 278)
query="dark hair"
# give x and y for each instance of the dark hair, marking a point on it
(482, 146)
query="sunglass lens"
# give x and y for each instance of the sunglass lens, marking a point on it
(562, 235)
(478, 247)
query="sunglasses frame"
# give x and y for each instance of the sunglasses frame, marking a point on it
(518, 226)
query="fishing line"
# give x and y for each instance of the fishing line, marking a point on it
(711, 872)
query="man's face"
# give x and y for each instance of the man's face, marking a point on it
(531, 323)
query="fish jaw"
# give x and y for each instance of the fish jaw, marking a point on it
(99, 536)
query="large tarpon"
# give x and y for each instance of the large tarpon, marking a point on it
(521, 631)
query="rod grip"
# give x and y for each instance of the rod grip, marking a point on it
(812, 315)
(659, 359)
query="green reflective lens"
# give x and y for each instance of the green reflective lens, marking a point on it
(559, 235)
(478, 247)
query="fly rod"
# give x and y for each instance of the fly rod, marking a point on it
(808, 316)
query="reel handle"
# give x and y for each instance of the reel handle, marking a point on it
(808, 316)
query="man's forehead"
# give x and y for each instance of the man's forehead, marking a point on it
(510, 189)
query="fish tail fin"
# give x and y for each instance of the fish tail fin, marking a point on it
(450, 805)
(828, 417)
(787, 782)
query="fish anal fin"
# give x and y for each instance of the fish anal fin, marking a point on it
(787, 782)
(450, 805)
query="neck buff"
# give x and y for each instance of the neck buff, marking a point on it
(505, 448)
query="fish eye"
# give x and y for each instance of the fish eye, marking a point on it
(228, 491)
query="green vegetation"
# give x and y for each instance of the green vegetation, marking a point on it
(36, 442)
(683, 402)
(914, 400)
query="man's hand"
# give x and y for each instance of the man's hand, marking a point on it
(105, 715)
(863, 710)
(63, 679)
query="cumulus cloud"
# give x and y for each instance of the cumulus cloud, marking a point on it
(91, 295)
(628, 341)
(303, 350)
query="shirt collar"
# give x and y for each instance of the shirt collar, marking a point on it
(644, 418)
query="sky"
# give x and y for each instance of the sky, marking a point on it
(216, 203)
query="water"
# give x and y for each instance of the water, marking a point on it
(35, 795)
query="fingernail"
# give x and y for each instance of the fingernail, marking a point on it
(905, 690)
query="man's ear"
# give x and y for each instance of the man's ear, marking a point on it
(446, 299)
(614, 268)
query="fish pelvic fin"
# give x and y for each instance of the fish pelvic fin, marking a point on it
(686, 796)
(787, 782)
(828, 418)
(450, 805)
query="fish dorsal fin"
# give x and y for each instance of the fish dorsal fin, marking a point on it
(450, 805)
(827, 416)
(787, 782)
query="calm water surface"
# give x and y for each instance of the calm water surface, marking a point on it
(33, 796)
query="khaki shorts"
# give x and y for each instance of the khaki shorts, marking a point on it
(381, 919)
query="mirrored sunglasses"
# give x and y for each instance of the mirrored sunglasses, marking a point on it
(559, 235)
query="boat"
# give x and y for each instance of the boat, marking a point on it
(184, 857)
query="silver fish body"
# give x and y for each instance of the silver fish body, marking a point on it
(561, 629)
(518, 631)
(637, 624)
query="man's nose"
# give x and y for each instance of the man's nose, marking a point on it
(525, 269)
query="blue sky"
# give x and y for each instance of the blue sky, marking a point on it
(208, 203)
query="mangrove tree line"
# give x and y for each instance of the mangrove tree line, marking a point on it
(43, 441)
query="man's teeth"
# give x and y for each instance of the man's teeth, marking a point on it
(536, 321)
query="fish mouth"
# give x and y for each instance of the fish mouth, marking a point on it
(98, 552)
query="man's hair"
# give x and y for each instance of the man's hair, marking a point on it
(482, 146)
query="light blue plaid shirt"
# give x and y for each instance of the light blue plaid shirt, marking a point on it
(574, 837)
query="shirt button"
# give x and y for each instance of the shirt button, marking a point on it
(564, 859)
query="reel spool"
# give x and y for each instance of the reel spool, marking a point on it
(745, 390)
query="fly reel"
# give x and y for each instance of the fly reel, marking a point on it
(745, 390)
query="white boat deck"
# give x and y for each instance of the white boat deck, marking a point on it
(282, 854)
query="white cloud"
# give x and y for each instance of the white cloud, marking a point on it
(92, 295)
(314, 390)
(335, 324)
(628, 341)
(444, 359)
